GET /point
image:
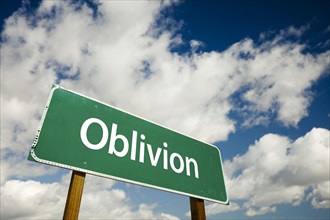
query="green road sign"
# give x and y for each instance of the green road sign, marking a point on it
(83, 134)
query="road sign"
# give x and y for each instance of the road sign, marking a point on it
(82, 134)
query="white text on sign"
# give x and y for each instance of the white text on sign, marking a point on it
(154, 157)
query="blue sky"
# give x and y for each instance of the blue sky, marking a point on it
(251, 77)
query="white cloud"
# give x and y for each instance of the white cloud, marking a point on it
(99, 193)
(216, 208)
(31, 200)
(260, 211)
(320, 195)
(35, 200)
(276, 170)
(19, 167)
(195, 45)
(127, 58)
(278, 77)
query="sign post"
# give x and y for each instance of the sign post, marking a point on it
(73, 200)
(197, 209)
(88, 136)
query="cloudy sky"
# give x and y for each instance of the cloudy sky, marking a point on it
(251, 77)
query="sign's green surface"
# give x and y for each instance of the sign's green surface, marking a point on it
(83, 134)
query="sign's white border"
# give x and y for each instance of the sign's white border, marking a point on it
(109, 176)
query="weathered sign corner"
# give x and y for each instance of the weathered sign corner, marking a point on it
(30, 157)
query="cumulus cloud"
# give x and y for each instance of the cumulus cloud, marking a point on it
(260, 211)
(19, 167)
(216, 208)
(125, 54)
(213, 209)
(276, 170)
(31, 199)
(320, 195)
(132, 66)
(35, 200)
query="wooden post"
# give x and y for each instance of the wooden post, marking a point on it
(197, 209)
(73, 199)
